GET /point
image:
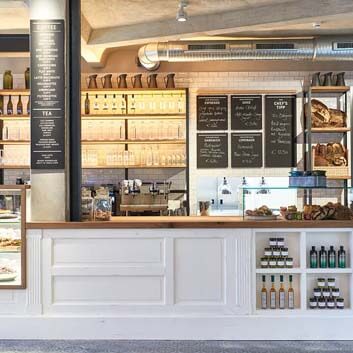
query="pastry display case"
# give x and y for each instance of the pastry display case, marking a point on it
(12, 236)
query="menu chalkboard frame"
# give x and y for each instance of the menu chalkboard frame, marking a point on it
(278, 163)
(235, 123)
(224, 123)
(225, 143)
(257, 135)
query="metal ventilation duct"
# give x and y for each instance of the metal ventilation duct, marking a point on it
(320, 49)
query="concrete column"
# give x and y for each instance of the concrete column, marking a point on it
(48, 187)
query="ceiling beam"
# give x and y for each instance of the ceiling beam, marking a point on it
(300, 11)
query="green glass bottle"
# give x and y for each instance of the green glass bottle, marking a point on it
(8, 80)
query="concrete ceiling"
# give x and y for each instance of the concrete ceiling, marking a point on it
(111, 24)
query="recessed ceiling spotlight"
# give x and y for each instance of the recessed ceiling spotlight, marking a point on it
(316, 24)
(182, 16)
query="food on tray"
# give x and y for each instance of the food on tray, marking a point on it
(10, 244)
(330, 155)
(323, 116)
(334, 211)
(263, 211)
(4, 270)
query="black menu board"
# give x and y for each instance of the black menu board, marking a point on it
(212, 150)
(246, 112)
(47, 94)
(246, 150)
(280, 131)
(212, 112)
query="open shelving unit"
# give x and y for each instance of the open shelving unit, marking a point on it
(299, 243)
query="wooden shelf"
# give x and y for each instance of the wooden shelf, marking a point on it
(134, 167)
(14, 167)
(14, 117)
(15, 92)
(133, 90)
(328, 270)
(330, 130)
(343, 177)
(132, 116)
(330, 89)
(131, 142)
(14, 142)
(278, 270)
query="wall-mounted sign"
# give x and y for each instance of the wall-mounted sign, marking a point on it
(212, 112)
(280, 122)
(47, 94)
(246, 150)
(212, 150)
(246, 112)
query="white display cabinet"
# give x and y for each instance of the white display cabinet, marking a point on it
(299, 243)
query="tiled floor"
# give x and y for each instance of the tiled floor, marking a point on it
(175, 347)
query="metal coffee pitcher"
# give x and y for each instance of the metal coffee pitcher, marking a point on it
(152, 81)
(136, 81)
(340, 79)
(169, 81)
(107, 81)
(315, 80)
(122, 83)
(327, 79)
(92, 81)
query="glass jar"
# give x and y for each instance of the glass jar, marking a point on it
(313, 303)
(317, 292)
(331, 282)
(321, 303)
(264, 262)
(321, 282)
(330, 302)
(272, 262)
(289, 262)
(280, 242)
(284, 252)
(276, 252)
(326, 292)
(86, 205)
(273, 242)
(340, 303)
(102, 205)
(335, 292)
(268, 252)
(280, 262)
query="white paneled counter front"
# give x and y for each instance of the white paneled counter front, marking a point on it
(169, 283)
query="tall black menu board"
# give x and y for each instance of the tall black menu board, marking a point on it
(280, 122)
(212, 151)
(212, 112)
(47, 94)
(246, 112)
(246, 150)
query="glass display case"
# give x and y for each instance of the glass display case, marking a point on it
(293, 203)
(12, 236)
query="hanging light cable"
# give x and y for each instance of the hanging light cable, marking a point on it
(182, 16)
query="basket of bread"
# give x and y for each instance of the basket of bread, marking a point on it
(333, 211)
(324, 117)
(331, 157)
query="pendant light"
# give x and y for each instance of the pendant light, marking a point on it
(181, 14)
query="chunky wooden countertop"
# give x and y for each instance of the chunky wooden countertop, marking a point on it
(187, 222)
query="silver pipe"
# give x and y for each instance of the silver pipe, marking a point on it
(321, 49)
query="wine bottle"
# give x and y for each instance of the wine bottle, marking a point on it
(19, 106)
(9, 106)
(282, 293)
(105, 103)
(96, 103)
(114, 103)
(332, 257)
(263, 294)
(87, 105)
(29, 106)
(290, 293)
(1, 105)
(323, 257)
(273, 293)
(341, 257)
(313, 257)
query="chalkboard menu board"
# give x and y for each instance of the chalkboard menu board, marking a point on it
(246, 112)
(47, 94)
(246, 150)
(212, 112)
(280, 131)
(212, 150)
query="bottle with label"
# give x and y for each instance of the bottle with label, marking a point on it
(133, 104)
(19, 106)
(332, 257)
(87, 105)
(263, 294)
(290, 293)
(341, 257)
(9, 106)
(29, 106)
(273, 293)
(282, 294)
(323, 257)
(105, 103)
(114, 104)
(1, 105)
(96, 103)
(123, 104)
(313, 257)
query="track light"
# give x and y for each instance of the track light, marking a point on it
(181, 14)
